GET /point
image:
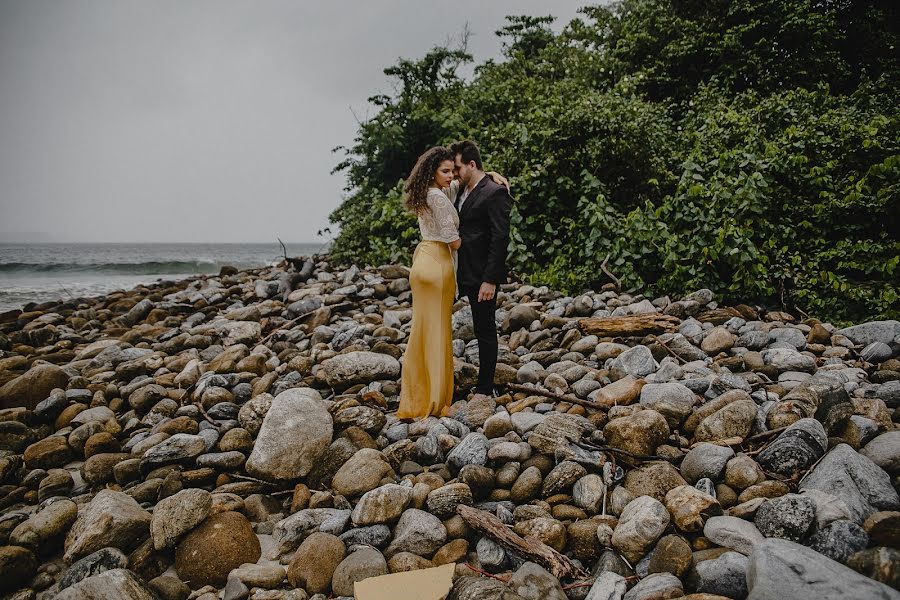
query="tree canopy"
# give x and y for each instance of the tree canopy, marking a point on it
(751, 147)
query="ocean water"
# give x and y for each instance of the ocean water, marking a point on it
(50, 272)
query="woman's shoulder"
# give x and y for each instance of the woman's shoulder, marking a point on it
(437, 195)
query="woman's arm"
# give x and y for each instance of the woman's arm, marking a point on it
(498, 178)
(455, 244)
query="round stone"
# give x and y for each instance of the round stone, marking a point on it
(223, 541)
(315, 561)
(362, 564)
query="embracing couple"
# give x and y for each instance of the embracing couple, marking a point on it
(463, 216)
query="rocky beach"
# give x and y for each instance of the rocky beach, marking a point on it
(233, 436)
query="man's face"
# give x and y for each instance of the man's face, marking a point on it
(463, 171)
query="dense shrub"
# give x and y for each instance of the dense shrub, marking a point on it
(749, 147)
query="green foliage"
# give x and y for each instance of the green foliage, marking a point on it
(752, 147)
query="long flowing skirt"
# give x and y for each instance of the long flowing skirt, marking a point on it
(426, 382)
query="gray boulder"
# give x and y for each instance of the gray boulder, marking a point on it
(784, 570)
(884, 451)
(348, 369)
(472, 450)
(533, 582)
(111, 519)
(705, 460)
(856, 480)
(789, 517)
(873, 331)
(673, 400)
(177, 514)
(724, 576)
(294, 435)
(637, 361)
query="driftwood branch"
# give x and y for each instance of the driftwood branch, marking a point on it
(515, 387)
(206, 416)
(299, 264)
(530, 547)
(611, 450)
(286, 327)
(628, 325)
(669, 350)
(615, 279)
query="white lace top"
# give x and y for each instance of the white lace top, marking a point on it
(439, 223)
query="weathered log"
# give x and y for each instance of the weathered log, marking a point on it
(718, 316)
(529, 546)
(515, 387)
(628, 325)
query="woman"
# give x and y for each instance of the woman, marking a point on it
(426, 383)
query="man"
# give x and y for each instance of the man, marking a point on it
(483, 208)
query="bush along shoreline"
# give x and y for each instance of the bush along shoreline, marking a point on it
(234, 436)
(690, 145)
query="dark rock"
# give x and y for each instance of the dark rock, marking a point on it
(839, 540)
(377, 536)
(181, 448)
(120, 584)
(796, 448)
(724, 576)
(105, 559)
(789, 517)
(17, 565)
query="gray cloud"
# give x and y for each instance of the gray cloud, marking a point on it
(201, 120)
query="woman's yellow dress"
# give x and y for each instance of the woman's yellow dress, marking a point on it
(426, 380)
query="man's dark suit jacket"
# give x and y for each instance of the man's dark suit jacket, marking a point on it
(484, 231)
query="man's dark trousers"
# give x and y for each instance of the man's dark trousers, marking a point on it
(486, 333)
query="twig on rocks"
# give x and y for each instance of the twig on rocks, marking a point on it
(642, 457)
(206, 415)
(762, 436)
(531, 547)
(515, 387)
(286, 327)
(810, 470)
(669, 350)
(578, 584)
(486, 574)
(253, 479)
(615, 279)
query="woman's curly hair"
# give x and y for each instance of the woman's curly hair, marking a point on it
(422, 176)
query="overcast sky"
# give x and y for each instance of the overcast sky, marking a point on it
(201, 120)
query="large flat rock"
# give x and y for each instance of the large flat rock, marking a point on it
(783, 570)
(295, 434)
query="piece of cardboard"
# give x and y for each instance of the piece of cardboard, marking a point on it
(424, 584)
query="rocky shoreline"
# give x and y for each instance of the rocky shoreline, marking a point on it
(231, 437)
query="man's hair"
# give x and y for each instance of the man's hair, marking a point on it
(468, 151)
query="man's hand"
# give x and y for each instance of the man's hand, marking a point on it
(486, 291)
